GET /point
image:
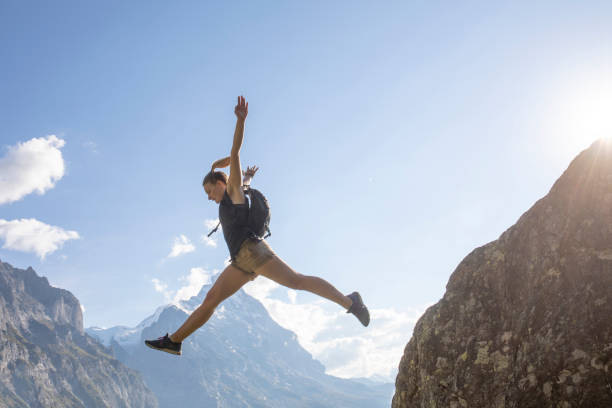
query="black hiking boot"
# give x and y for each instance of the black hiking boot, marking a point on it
(359, 309)
(165, 344)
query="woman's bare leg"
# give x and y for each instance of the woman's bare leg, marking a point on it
(230, 280)
(280, 272)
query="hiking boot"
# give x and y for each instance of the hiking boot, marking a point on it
(359, 309)
(165, 344)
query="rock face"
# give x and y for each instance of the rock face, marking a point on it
(239, 358)
(526, 320)
(46, 359)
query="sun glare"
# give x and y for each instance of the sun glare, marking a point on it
(579, 111)
(592, 115)
(589, 112)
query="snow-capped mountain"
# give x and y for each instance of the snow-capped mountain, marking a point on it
(239, 358)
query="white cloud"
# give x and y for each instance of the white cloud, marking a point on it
(31, 235)
(35, 165)
(162, 288)
(197, 278)
(337, 339)
(182, 245)
(210, 224)
(292, 295)
(159, 285)
(261, 288)
(209, 241)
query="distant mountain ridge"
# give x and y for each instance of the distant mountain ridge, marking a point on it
(240, 358)
(46, 359)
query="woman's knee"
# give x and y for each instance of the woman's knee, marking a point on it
(212, 299)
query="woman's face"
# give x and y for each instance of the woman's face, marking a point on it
(215, 191)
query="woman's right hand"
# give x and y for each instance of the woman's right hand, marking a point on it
(242, 108)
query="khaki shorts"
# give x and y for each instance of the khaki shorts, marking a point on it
(252, 255)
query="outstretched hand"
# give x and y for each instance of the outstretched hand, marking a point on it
(250, 171)
(242, 108)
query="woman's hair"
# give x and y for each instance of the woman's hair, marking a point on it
(213, 176)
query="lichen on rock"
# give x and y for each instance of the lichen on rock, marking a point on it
(530, 311)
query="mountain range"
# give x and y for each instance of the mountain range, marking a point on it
(240, 358)
(46, 359)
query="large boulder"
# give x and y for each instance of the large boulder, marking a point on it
(526, 320)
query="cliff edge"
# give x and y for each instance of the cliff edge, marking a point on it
(526, 320)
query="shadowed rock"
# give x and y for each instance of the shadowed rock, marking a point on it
(526, 320)
(46, 360)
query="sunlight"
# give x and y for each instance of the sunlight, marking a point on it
(587, 111)
(592, 115)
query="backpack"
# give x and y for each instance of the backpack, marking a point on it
(259, 213)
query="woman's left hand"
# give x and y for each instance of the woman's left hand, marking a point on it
(250, 171)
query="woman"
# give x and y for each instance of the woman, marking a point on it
(250, 254)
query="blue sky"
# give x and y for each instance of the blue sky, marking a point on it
(392, 139)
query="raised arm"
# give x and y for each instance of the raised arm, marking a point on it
(235, 178)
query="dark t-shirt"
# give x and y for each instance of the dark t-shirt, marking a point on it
(234, 220)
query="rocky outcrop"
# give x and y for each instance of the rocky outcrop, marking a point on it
(526, 320)
(46, 359)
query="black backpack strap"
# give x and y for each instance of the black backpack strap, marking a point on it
(215, 230)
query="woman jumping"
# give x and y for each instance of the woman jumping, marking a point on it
(250, 254)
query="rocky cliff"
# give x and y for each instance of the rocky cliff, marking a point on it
(526, 320)
(46, 359)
